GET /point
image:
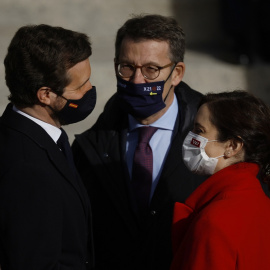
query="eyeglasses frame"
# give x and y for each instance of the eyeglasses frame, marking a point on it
(140, 67)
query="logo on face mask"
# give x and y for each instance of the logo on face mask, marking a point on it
(195, 142)
(75, 106)
(153, 88)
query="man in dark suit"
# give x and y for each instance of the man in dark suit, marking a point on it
(132, 208)
(44, 208)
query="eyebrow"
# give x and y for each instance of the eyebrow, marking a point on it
(196, 124)
(130, 62)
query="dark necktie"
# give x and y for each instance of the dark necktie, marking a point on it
(64, 145)
(142, 169)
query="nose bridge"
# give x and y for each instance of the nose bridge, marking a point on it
(138, 76)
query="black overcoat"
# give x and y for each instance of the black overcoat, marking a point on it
(44, 208)
(122, 240)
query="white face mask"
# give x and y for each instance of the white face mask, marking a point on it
(194, 155)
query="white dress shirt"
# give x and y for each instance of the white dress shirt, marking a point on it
(53, 131)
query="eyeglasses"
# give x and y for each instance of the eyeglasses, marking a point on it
(149, 71)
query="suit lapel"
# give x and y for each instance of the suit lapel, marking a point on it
(110, 145)
(131, 198)
(62, 166)
(39, 136)
(173, 160)
(171, 164)
(122, 184)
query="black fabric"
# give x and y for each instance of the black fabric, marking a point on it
(44, 210)
(64, 145)
(122, 239)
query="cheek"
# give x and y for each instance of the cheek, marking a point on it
(78, 94)
(167, 96)
(87, 86)
(166, 89)
(59, 104)
(214, 150)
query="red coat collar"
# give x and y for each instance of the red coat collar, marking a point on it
(233, 178)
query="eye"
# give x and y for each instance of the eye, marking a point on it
(197, 130)
(125, 70)
(151, 69)
(126, 66)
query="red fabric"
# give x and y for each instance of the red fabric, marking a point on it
(224, 224)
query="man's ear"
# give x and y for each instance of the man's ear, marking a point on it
(178, 73)
(233, 148)
(43, 95)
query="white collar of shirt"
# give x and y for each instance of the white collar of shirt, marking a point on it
(166, 121)
(54, 132)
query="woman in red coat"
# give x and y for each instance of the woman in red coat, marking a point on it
(225, 223)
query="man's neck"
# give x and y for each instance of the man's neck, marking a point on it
(41, 113)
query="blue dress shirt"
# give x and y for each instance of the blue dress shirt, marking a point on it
(160, 141)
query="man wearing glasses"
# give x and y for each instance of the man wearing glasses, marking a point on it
(131, 160)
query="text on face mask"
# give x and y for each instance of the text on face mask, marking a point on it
(154, 88)
(195, 142)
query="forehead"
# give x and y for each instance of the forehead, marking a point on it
(79, 74)
(144, 51)
(203, 118)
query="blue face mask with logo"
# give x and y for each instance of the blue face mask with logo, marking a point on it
(141, 100)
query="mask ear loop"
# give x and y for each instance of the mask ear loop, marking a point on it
(167, 80)
(216, 141)
(167, 94)
(49, 89)
(220, 156)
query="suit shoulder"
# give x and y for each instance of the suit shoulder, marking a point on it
(187, 94)
(113, 118)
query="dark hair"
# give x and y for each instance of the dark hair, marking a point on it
(153, 27)
(240, 116)
(40, 55)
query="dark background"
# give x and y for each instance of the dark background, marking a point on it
(227, 41)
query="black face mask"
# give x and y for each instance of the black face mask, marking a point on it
(141, 100)
(77, 110)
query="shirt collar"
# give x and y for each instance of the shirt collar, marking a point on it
(54, 132)
(166, 121)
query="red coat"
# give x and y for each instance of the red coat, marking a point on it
(224, 224)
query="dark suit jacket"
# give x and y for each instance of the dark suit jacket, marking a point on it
(122, 240)
(44, 209)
